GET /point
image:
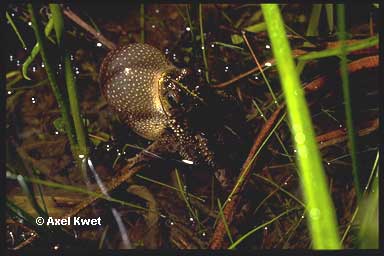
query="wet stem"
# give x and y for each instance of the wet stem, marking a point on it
(203, 43)
(347, 97)
(64, 109)
(74, 128)
(82, 149)
(322, 218)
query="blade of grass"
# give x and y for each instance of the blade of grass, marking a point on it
(35, 172)
(373, 171)
(26, 217)
(221, 213)
(347, 97)
(313, 24)
(102, 238)
(322, 218)
(291, 231)
(260, 68)
(361, 44)
(11, 74)
(240, 180)
(186, 200)
(242, 238)
(28, 191)
(93, 23)
(52, 79)
(13, 25)
(51, 184)
(226, 17)
(228, 45)
(297, 34)
(192, 31)
(312, 30)
(48, 29)
(180, 12)
(168, 186)
(276, 134)
(35, 50)
(203, 43)
(280, 188)
(256, 28)
(369, 228)
(58, 22)
(41, 83)
(329, 11)
(42, 230)
(17, 79)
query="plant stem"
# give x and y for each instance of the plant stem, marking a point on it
(81, 137)
(238, 241)
(64, 109)
(9, 18)
(260, 68)
(322, 218)
(347, 97)
(202, 43)
(361, 44)
(312, 30)
(81, 133)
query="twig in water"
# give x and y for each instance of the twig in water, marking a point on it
(73, 16)
(219, 234)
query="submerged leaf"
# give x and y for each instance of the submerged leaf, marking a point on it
(256, 28)
(35, 51)
(58, 23)
(59, 125)
(236, 39)
(15, 29)
(329, 10)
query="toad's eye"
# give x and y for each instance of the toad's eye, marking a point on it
(173, 98)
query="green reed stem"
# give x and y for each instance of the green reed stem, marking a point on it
(312, 30)
(240, 180)
(260, 69)
(221, 213)
(373, 171)
(369, 228)
(81, 136)
(81, 132)
(322, 218)
(64, 109)
(13, 25)
(280, 188)
(361, 44)
(51, 184)
(203, 43)
(186, 200)
(347, 97)
(329, 10)
(169, 186)
(238, 241)
(276, 134)
(35, 50)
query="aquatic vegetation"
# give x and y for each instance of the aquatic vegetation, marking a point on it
(192, 126)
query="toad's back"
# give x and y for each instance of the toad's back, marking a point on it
(129, 78)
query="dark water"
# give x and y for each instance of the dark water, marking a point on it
(38, 147)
